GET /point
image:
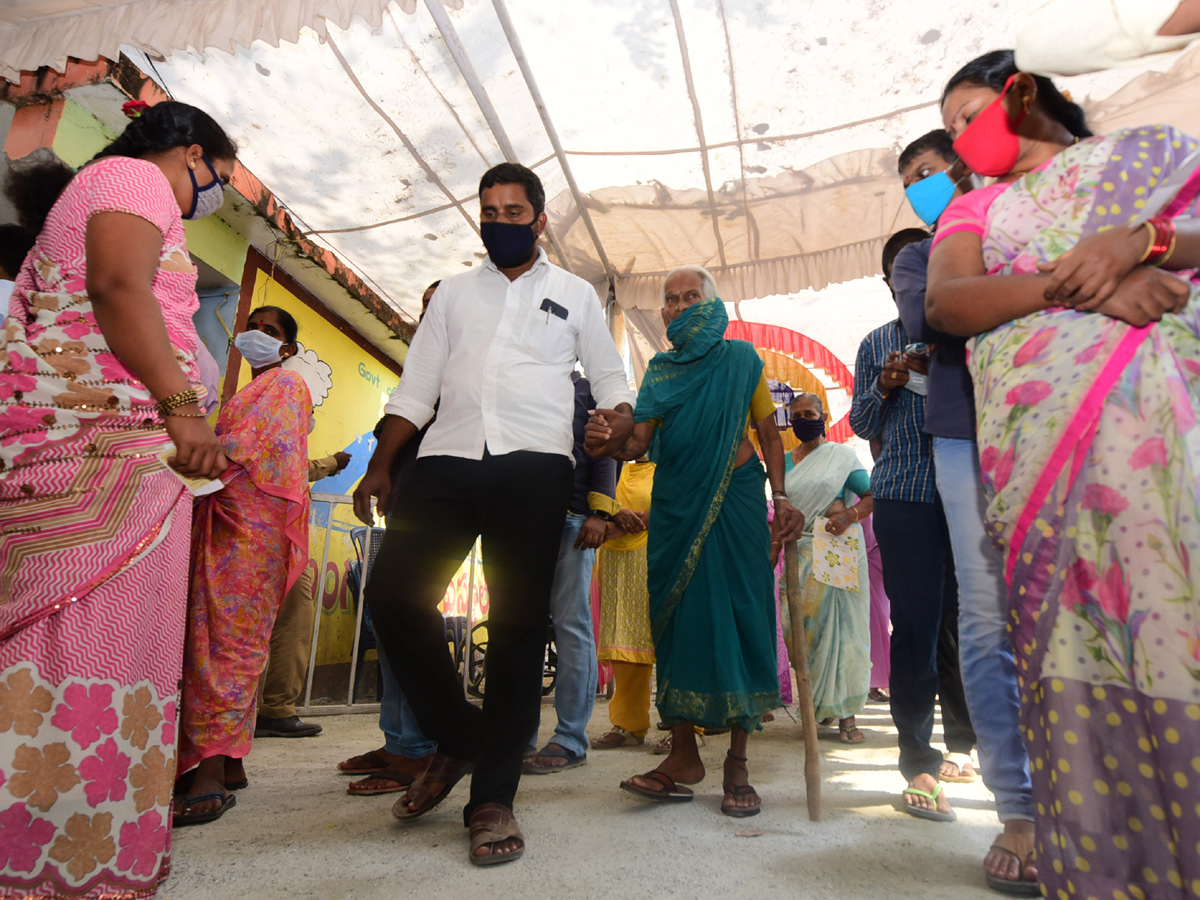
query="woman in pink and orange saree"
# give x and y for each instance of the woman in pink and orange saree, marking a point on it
(1076, 271)
(249, 545)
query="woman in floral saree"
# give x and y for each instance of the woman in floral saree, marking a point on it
(712, 609)
(249, 544)
(98, 377)
(1085, 372)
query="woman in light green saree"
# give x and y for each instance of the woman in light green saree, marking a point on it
(712, 610)
(836, 619)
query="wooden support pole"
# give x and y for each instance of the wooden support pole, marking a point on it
(799, 652)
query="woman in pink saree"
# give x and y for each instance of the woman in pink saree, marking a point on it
(1085, 370)
(98, 377)
(249, 545)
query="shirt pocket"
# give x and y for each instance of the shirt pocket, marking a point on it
(548, 338)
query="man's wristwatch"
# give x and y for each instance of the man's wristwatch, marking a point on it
(601, 514)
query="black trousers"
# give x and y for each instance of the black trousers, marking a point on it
(517, 504)
(918, 572)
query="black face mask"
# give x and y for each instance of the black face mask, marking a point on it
(808, 429)
(509, 245)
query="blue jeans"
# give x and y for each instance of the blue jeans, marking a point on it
(571, 612)
(989, 673)
(402, 735)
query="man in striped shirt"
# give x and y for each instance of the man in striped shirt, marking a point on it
(918, 568)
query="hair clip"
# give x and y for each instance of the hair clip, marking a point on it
(134, 108)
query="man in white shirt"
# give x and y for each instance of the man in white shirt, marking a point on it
(496, 349)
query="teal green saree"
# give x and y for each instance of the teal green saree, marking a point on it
(712, 610)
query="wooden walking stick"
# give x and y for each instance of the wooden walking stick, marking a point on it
(799, 654)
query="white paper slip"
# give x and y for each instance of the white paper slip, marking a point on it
(200, 487)
(835, 556)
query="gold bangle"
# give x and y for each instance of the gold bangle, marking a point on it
(179, 415)
(855, 508)
(175, 401)
(1149, 226)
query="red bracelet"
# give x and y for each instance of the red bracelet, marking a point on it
(1162, 241)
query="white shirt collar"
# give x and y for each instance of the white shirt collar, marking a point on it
(540, 259)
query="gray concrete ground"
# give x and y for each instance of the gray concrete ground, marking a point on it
(295, 833)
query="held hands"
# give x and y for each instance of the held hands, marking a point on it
(1145, 295)
(607, 431)
(591, 533)
(376, 483)
(198, 453)
(629, 521)
(1090, 272)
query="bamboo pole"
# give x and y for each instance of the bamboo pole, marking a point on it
(798, 650)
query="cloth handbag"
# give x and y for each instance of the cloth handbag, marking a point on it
(835, 556)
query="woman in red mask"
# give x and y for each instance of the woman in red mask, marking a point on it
(1075, 270)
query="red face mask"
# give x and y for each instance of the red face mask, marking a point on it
(990, 145)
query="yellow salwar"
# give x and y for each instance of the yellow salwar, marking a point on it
(629, 707)
(625, 638)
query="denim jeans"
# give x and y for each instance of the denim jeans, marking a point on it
(988, 670)
(402, 735)
(571, 613)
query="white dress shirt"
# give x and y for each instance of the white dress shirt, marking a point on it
(499, 354)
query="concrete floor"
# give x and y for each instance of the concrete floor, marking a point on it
(295, 833)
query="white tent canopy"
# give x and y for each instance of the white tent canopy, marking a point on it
(758, 139)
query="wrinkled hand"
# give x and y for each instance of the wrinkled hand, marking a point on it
(1090, 272)
(198, 452)
(591, 533)
(786, 526)
(629, 521)
(343, 460)
(1145, 295)
(895, 372)
(376, 483)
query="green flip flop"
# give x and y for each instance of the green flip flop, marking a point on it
(932, 815)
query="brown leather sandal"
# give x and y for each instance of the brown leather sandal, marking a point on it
(494, 823)
(443, 770)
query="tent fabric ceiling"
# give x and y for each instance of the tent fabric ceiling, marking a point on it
(758, 139)
(37, 33)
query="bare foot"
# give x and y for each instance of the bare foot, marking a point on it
(929, 785)
(1012, 854)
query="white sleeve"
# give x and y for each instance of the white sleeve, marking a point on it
(601, 361)
(421, 382)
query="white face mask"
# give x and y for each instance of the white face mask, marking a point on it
(208, 199)
(258, 349)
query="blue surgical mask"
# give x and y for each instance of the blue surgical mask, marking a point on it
(208, 199)
(258, 349)
(930, 196)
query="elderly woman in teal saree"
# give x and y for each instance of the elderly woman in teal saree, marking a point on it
(712, 609)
